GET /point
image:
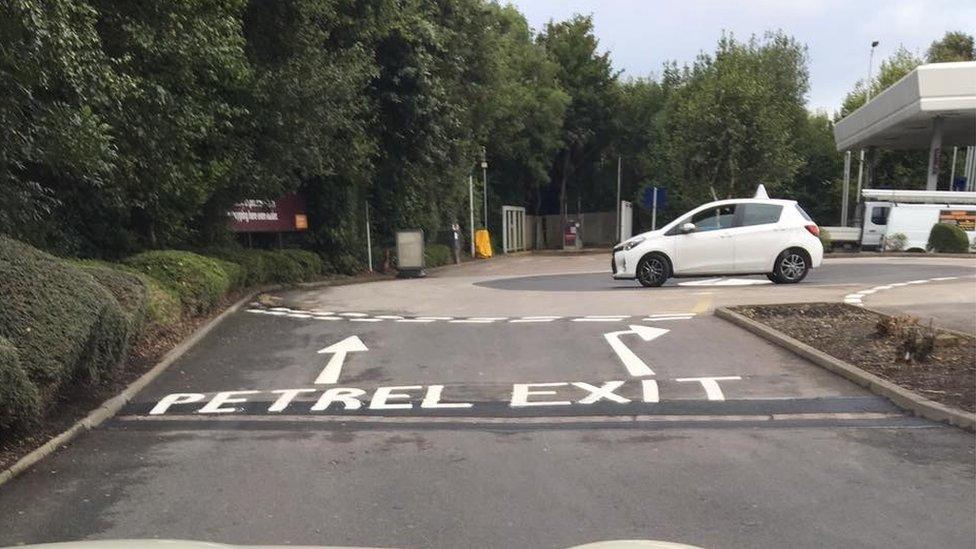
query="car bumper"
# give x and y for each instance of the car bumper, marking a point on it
(620, 268)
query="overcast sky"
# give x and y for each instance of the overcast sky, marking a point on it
(642, 34)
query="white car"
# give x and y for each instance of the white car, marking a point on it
(729, 237)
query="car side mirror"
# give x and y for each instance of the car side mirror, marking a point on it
(688, 228)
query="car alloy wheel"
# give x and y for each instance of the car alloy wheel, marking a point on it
(792, 266)
(651, 271)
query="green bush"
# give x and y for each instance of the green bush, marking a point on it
(199, 281)
(131, 291)
(825, 239)
(948, 238)
(436, 255)
(64, 325)
(264, 266)
(20, 403)
(310, 263)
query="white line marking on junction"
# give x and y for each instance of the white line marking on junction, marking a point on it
(353, 314)
(635, 366)
(365, 320)
(330, 374)
(536, 319)
(659, 318)
(585, 319)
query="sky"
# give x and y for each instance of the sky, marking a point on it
(641, 34)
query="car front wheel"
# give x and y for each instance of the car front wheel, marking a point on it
(652, 271)
(791, 267)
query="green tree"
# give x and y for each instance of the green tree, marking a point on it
(817, 185)
(892, 69)
(56, 149)
(953, 46)
(176, 125)
(732, 119)
(587, 76)
(523, 111)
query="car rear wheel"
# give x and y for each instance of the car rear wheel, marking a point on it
(791, 267)
(652, 271)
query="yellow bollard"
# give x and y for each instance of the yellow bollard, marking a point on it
(482, 244)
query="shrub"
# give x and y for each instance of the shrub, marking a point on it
(19, 400)
(825, 240)
(263, 266)
(256, 264)
(199, 281)
(948, 238)
(63, 324)
(310, 263)
(131, 292)
(895, 242)
(436, 255)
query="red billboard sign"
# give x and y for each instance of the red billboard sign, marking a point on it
(286, 214)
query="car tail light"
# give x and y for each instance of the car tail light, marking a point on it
(814, 230)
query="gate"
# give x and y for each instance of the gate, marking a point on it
(513, 229)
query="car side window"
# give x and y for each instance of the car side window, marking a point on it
(879, 215)
(760, 214)
(712, 219)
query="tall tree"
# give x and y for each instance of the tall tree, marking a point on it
(732, 118)
(56, 150)
(587, 76)
(953, 46)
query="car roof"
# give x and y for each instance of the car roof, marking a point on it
(776, 201)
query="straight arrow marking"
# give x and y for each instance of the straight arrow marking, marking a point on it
(635, 366)
(330, 374)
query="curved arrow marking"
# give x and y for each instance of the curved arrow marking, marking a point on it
(330, 374)
(635, 366)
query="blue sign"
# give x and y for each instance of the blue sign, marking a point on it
(647, 198)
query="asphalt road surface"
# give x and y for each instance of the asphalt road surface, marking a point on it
(524, 402)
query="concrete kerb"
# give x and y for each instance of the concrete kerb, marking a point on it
(900, 396)
(111, 406)
(877, 255)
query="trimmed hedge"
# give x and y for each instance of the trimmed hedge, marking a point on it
(64, 325)
(265, 266)
(948, 238)
(436, 255)
(198, 281)
(129, 290)
(20, 403)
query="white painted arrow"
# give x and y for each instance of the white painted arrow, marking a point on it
(330, 374)
(635, 366)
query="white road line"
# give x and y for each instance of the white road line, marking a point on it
(662, 318)
(615, 317)
(390, 317)
(365, 320)
(584, 319)
(281, 309)
(942, 278)
(435, 318)
(470, 321)
(669, 315)
(326, 318)
(276, 313)
(418, 320)
(536, 319)
(353, 314)
(320, 312)
(298, 315)
(257, 311)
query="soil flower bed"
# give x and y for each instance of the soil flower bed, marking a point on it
(946, 376)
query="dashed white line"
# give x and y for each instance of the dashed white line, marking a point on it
(353, 314)
(365, 320)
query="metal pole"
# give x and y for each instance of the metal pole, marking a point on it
(952, 170)
(471, 209)
(484, 176)
(619, 220)
(860, 165)
(369, 241)
(654, 211)
(845, 195)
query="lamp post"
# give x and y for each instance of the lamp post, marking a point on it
(860, 165)
(484, 178)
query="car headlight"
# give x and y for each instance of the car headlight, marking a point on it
(633, 242)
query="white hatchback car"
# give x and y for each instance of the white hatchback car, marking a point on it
(729, 237)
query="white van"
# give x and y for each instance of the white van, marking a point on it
(914, 221)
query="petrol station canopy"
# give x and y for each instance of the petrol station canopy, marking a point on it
(938, 98)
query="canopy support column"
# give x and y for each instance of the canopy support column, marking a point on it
(935, 155)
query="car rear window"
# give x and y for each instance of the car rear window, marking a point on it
(803, 213)
(760, 214)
